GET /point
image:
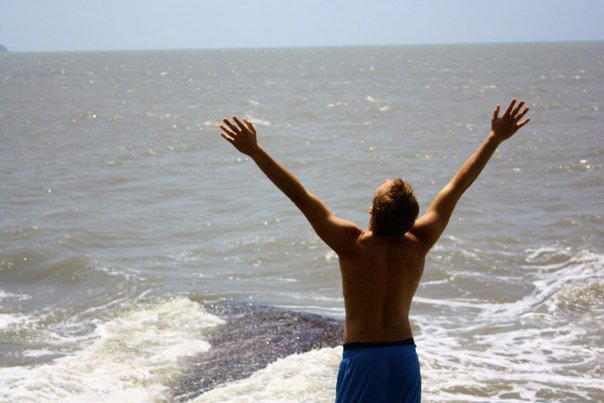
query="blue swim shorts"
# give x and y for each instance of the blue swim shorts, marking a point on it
(379, 372)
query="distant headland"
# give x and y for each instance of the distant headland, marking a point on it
(3, 49)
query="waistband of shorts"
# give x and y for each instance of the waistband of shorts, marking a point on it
(370, 344)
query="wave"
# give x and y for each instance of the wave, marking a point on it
(534, 348)
(546, 345)
(62, 285)
(556, 272)
(309, 377)
(33, 265)
(528, 349)
(172, 348)
(252, 338)
(133, 356)
(540, 347)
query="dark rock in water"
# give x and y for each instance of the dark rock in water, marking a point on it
(3, 49)
(253, 337)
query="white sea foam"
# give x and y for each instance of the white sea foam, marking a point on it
(551, 279)
(307, 377)
(381, 104)
(133, 357)
(212, 123)
(338, 103)
(259, 122)
(529, 349)
(11, 296)
(7, 320)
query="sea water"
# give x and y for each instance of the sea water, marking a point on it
(131, 233)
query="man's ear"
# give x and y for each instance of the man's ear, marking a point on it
(371, 210)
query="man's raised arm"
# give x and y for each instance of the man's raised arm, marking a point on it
(433, 222)
(337, 233)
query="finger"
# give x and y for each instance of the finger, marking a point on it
(509, 110)
(239, 123)
(227, 138)
(524, 112)
(520, 105)
(496, 112)
(232, 126)
(525, 121)
(228, 131)
(250, 126)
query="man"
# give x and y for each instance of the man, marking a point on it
(381, 267)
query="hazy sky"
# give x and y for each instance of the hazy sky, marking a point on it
(55, 25)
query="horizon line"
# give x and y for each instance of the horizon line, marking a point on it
(160, 49)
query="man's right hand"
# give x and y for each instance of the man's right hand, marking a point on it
(505, 126)
(242, 135)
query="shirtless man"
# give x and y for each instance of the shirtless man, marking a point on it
(381, 266)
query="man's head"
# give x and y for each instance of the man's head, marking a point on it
(394, 208)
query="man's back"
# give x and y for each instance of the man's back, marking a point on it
(379, 279)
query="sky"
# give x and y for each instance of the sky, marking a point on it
(90, 25)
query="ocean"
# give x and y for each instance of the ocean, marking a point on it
(143, 259)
